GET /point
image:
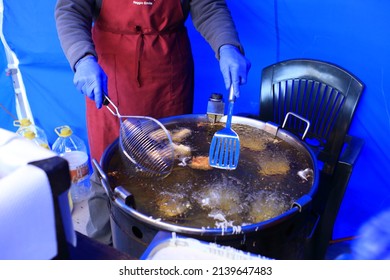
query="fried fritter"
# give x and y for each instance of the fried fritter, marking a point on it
(180, 134)
(172, 204)
(200, 162)
(274, 167)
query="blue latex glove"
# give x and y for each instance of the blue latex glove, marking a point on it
(234, 67)
(90, 79)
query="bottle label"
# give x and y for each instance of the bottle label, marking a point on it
(78, 165)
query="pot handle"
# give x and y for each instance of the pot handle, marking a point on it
(127, 197)
(103, 178)
(299, 117)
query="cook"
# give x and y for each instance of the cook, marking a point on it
(140, 55)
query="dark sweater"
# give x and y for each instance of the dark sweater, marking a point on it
(74, 20)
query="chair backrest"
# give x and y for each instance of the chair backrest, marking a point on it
(322, 93)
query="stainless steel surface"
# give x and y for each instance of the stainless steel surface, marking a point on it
(299, 117)
(215, 108)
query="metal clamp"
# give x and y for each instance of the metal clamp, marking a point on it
(215, 107)
(299, 117)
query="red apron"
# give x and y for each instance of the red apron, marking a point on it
(144, 49)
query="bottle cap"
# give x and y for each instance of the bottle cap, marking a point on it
(22, 122)
(63, 131)
(29, 135)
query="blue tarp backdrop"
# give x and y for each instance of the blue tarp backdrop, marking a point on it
(352, 33)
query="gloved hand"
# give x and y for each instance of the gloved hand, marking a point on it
(90, 79)
(234, 67)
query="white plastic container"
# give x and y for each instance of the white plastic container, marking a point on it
(72, 148)
(32, 132)
(166, 247)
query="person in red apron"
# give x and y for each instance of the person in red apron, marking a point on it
(147, 61)
(143, 50)
(139, 54)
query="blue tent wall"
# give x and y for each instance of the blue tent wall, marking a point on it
(255, 23)
(352, 34)
(29, 29)
(7, 96)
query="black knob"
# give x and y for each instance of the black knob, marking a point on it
(216, 97)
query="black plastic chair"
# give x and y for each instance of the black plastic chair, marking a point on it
(325, 95)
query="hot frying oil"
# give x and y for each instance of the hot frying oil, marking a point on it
(264, 185)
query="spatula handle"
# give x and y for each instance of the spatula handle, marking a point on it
(231, 94)
(230, 107)
(229, 115)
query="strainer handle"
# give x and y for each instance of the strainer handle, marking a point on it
(111, 106)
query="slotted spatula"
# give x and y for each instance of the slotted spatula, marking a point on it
(225, 145)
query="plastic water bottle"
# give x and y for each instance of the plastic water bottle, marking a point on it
(72, 148)
(32, 132)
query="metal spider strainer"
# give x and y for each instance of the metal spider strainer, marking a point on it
(145, 142)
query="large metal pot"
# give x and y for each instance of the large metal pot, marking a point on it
(281, 237)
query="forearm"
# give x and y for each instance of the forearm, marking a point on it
(214, 22)
(74, 21)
